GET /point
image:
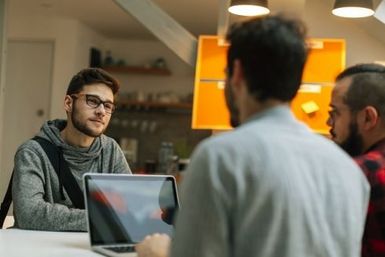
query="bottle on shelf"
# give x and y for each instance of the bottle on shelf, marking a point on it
(166, 153)
(173, 167)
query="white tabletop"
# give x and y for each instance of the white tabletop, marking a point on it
(27, 243)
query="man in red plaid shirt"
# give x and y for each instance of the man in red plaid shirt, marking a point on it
(357, 121)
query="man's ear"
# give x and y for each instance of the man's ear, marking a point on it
(68, 102)
(237, 77)
(369, 117)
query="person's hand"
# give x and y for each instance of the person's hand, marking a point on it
(156, 245)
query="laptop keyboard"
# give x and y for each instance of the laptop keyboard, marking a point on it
(121, 249)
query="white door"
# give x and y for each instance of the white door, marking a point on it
(26, 97)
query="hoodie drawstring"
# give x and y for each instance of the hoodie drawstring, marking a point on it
(101, 163)
(61, 187)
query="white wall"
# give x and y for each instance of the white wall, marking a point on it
(72, 41)
(3, 44)
(360, 45)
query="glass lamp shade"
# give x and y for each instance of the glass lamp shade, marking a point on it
(353, 8)
(249, 7)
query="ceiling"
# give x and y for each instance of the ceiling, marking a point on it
(106, 17)
(197, 16)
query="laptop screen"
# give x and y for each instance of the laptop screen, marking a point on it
(123, 209)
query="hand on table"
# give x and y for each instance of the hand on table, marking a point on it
(156, 245)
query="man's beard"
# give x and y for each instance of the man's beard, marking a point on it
(233, 109)
(353, 144)
(82, 126)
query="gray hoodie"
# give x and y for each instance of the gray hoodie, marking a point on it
(38, 203)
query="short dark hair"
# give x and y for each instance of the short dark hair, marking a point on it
(367, 87)
(361, 68)
(273, 52)
(90, 76)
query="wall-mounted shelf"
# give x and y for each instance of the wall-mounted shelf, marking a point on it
(138, 70)
(142, 105)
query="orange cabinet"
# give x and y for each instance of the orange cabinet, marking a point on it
(311, 105)
(209, 107)
(326, 59)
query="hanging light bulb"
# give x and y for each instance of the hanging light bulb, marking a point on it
(353, 8)
(249, 7)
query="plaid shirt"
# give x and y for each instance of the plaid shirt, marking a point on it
(373, 165)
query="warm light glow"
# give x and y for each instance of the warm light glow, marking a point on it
(248, 10)
(353, 12)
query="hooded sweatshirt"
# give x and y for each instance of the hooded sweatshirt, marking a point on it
(38, 200)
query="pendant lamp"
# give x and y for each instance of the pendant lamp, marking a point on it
(249, 7)
(353, 8)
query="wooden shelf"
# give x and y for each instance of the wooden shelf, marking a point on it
(153, 105)
(138, 70)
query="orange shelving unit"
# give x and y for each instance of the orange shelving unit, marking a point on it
(326, 59)
(209, 107)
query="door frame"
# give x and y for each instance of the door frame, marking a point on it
(5, 174)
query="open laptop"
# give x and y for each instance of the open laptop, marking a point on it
(123, 209)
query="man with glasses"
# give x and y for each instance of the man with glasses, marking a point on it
(40, 201)
(357, 121)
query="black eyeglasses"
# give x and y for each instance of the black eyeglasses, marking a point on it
(94, 101)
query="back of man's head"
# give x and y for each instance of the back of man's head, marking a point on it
(90, 76)
(367, 87)
(272, 51)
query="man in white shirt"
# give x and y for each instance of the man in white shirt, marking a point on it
(271, 187)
